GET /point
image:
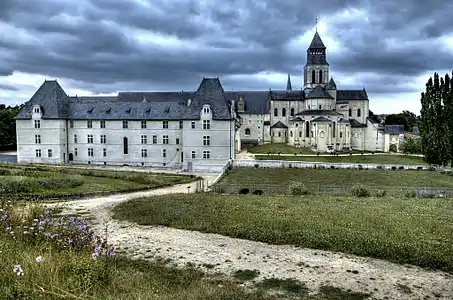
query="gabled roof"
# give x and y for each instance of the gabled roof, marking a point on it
(356, 124)
(319, 112)
(321, 120)
(279, 124)
(316, 42)
(279, 95)
(51, 97)
(394, 129)
(319, 92)
(343, 96)
(211, 92)
(255, 102)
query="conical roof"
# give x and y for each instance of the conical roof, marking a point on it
(316, 42)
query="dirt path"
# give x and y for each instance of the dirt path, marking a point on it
(315, 268)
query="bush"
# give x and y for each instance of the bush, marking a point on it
(5, 172)
(411, 194)
(381, 193)
(257, 165)
(258, 192)
(360, 191)
(297, 189)
(244, 191)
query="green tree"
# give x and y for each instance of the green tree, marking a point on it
(8, 126)
(406, 118)
(411, 146)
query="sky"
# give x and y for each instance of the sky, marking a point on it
(101, 47)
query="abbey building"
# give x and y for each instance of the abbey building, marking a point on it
(200, 129)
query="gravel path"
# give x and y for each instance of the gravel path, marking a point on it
(383, 280)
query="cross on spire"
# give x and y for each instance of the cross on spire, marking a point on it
(316, 24)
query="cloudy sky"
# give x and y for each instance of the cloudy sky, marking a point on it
(105, 46)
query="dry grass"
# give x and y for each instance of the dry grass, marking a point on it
(384, 159)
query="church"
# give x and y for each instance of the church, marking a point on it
(201, 129)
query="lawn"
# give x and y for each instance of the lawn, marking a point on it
(384, 159)
(39, 180)
(276, 181)
(414, 231)
(276, 148)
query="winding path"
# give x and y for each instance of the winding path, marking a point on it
(384, 280)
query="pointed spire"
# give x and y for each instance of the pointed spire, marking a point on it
(316, 42)
(288, 84)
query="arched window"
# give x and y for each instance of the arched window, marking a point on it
(313, 76)
(125, 146)
(292, 112)
(300, 134)
(247, 131)
(320, 76)
(275, 112)
(283, 112)
(291, 133)
(334, 128)
(279, 134)
(321, 134)
(350, 112)
(307, 129)
(359, 112)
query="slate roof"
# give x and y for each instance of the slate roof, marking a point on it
(343, 121)
(294, 95)
(319, 92)
(343, 96)
(316, 42)
(394, 129)
(288, 84)
(331, 85)
(297, 119)
(255, 102)
(314, 112)
(321, 120)
(279, 124)
(356, 124)
(52, 99)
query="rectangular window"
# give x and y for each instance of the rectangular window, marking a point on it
(206, 154)
(164, 153)
(154, 139)
(75, 138)
(38, 152)
(125, 124)
(143, 124)
(104, 152)
(49, 152)
(75, 151)
(37, 124)
(206, 124)
(102, 124)
(144, 139)
(165, 139)
(37, 139)
(103, 139)
(89, 124)
(350, 112)
(206, 140)
(71, 124)
(206, 110)
(144, 153)
(194, 154)
(193, 124)
(125, 146)
(90, 152)
(181, 124)
(90, 139)
(165, 124)
(177, 141)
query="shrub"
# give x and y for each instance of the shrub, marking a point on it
(393, 168)
(5, 172)
(360, 191)
(401, 168)
(258, 192)
(297, 189)
(257, 166)
(381, 193)
(411, 194)
(244, 191)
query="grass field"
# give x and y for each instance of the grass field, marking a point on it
(359, 159)
(48, 180)
(414, 231)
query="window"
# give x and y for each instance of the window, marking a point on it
(36, 110)
(307, 129)
(359, 112)
(300, 134)
(75, 138)
(334, 129)
(75, 151)
(38, 152)
(247, 131)
(206, 154)
(341, 134)
(283, 112)
(90, 152)
(292, 112)
(193, 155)
(104, 152)
(125, 146)
(89, 124)
(181, 124)
(37, 123)
(313, 76)
(206, 110)
(49, 152)
(125, 124)
(165, 124)
(206, 124)
(102, 124)
(71, 124)
(164, 153)
(291, 133)
(350, 112)
(206, 140)
(177, 141)
(143, 124)
(90, 139)
(320, 76)
(103, 139)
(275, 112)
(154, 139)
(144, 139)
(320, 107)
(144, 153)
(165, 139)
(37, 139)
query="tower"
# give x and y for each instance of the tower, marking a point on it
(316, 70)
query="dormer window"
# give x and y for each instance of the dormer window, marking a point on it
(206, 110)
(36, 110)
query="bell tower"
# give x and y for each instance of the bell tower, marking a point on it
(316, 70)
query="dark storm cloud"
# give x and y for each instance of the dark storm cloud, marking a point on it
(90, 41)
(8, 87)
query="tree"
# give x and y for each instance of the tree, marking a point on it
(373, 117)
(411, 146)
(8, 126)
(406, 118)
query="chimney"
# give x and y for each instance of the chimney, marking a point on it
(189, 101)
